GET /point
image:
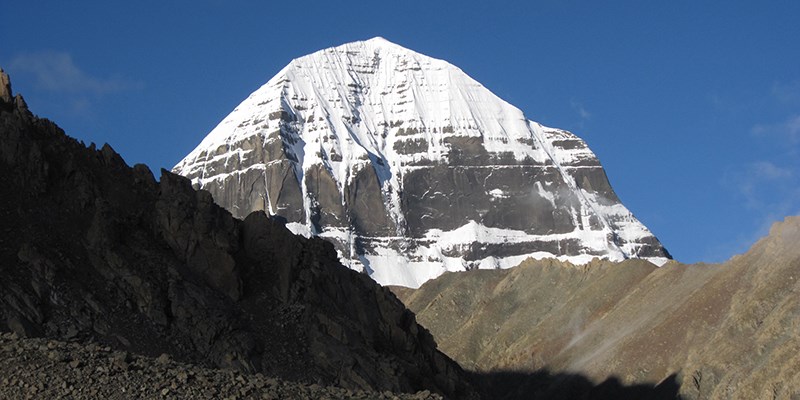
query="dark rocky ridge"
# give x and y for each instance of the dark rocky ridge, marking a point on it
(91, 249)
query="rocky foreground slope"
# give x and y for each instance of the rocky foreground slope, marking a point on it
(727, 331)
(51, 369)
(412, 168)
(93, 250)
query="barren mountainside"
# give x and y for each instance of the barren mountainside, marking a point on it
(722, 331)
(412, 168)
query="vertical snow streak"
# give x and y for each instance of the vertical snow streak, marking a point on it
(547, 145)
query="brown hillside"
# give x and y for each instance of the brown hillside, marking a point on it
(730, 330)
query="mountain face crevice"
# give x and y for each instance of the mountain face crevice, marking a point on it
(404, 162)
(94, 250)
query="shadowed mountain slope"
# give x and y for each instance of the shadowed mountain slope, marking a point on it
(91, 249)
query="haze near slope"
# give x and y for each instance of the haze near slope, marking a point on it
(412, 168)
(730, 330)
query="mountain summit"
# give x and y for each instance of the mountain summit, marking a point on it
(412, 168)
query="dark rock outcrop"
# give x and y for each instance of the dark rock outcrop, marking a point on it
(93, 249)
(5, 88)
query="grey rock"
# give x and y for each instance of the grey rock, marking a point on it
(164, 359)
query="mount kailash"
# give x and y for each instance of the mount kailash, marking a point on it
(412, 168)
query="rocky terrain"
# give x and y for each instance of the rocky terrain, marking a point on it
(727, 331)
(51, 369)
(117, 285)
(92, 250)
(412, 168)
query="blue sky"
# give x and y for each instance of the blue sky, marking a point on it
(693, 107)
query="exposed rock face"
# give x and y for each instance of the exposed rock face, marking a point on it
(412, 169)
(5, 88)
(728, 331)
(93, 249)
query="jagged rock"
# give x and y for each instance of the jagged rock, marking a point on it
(93, 249)
(22, 106)
(5, 88)
(200, 233)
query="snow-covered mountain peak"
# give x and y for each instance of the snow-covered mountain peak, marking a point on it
(378, 43)
(381, 41)
(412, 167)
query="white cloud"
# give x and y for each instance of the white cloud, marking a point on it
(578, 107)
(788, 129)
(785, 97)
(769, 191)
(766, 170)
(57, 72)
(786, 92)
(763, 184)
